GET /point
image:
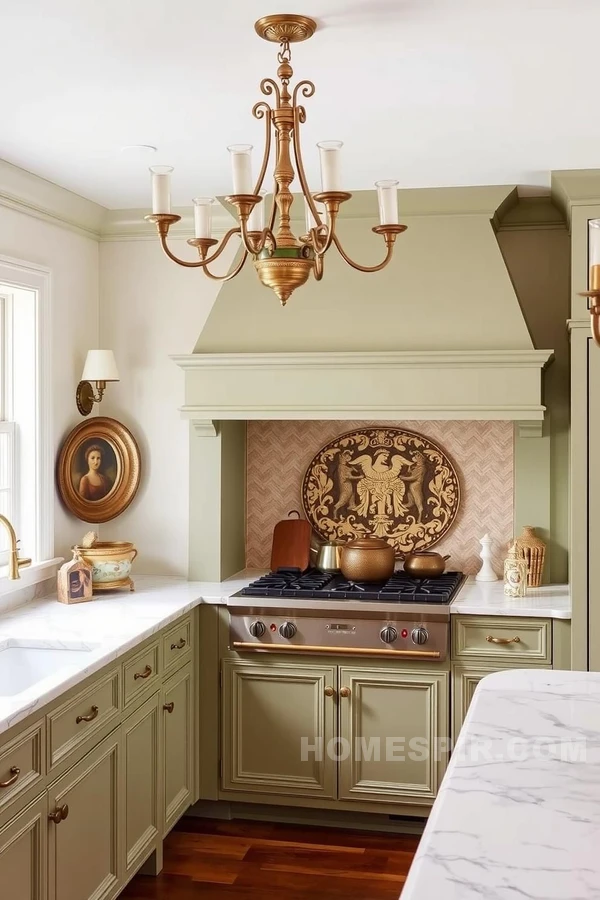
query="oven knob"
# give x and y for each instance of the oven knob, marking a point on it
(287, 630)
(419, 635)
(388, 634)
(257, 629)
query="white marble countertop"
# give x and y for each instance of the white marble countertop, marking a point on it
(110, 624)
(518, 812)
(480, 598)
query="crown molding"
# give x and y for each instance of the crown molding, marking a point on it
(34, 196)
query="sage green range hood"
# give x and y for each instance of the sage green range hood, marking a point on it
(437, 334)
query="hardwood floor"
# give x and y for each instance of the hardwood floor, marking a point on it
(243, 860)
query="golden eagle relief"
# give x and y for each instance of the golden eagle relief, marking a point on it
(396, 484)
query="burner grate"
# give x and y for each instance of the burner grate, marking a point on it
(314, 584)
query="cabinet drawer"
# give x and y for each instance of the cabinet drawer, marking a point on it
(21, 767)
(501, 638)
(140, 672)
(82, 717)
(177, 645)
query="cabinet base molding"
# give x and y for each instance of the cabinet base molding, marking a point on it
(411, 821)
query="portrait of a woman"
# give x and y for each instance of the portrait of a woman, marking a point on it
(94, 485)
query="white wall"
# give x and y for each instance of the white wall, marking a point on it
(152, 308)
(73, 261)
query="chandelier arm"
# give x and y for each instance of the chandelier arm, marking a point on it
(231, 274)
(318, 267)
(254, 245)
(201, 262)
(268, 87)
(299, 162)
(346, 258)
(306, 87)
(262, 110)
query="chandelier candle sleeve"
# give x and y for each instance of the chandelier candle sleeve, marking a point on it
(202, 217)
(256, 219)
(330, 158)
(387, 195)
(161, 189)
(241, 168)
(594, 254)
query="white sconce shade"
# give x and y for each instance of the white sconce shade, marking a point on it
(100, 365)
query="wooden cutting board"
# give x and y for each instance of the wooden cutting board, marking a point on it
(291, 543)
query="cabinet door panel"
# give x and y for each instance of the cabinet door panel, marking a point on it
(141, 742)
(390, 726)
(178, 742)
(23, 854)
(268, 712)
(84, 854)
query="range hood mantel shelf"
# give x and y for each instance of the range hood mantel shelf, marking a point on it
(493, 384)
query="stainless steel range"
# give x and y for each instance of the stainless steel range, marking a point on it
(315, 612)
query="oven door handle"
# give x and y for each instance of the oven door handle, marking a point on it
(347, 651)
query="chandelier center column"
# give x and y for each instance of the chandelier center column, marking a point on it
(283, 120)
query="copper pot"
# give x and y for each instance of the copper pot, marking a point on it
(367, 559)
(425, 564)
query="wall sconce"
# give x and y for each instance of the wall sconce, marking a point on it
(100, 366)
(593, 291)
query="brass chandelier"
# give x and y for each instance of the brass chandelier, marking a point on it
(282, 261)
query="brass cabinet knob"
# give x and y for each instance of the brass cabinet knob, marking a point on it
(179, 645)
(145, 674)
(495, 640)
(59, 814)
(14, 774)
(169, 707)
(329, 691)
(345, 692)
(89, 718)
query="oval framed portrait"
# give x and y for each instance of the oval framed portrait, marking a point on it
(98, 471)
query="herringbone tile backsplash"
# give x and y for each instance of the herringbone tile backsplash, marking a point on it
(279, 452)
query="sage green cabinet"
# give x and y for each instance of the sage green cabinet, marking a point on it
(84, 859)
(23, 854)
(177, 710)
(464, 681)
(278, 721)
(393, 727)
(141, 756)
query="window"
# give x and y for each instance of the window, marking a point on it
(26, 483)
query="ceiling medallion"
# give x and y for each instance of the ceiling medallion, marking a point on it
(392, 483)
(282, 260)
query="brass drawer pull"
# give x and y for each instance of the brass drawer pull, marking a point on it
(329, 692)
(14, 772)
(59, 815)
(495, 640)
(179, 645)
(345, 692)
(145, 674)
(169, 707)
(89, 718)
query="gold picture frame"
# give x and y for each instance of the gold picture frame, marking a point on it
(98, 470)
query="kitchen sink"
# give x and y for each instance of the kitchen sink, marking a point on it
(23, 665)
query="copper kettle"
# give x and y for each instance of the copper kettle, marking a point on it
(424, 564)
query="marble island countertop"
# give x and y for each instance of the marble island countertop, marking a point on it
(114, 623)
(518, 812)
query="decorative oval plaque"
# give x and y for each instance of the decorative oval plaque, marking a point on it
(395, 484)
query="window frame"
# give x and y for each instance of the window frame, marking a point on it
(28, 276)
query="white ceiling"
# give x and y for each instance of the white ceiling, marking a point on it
(432, 92)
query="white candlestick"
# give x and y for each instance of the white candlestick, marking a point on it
(256, 219)
(241, 167)
(161, 189)
(387, 195)
(486, 573)
(331, 175)
(203, 217)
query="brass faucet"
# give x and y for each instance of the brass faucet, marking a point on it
(14, 563)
